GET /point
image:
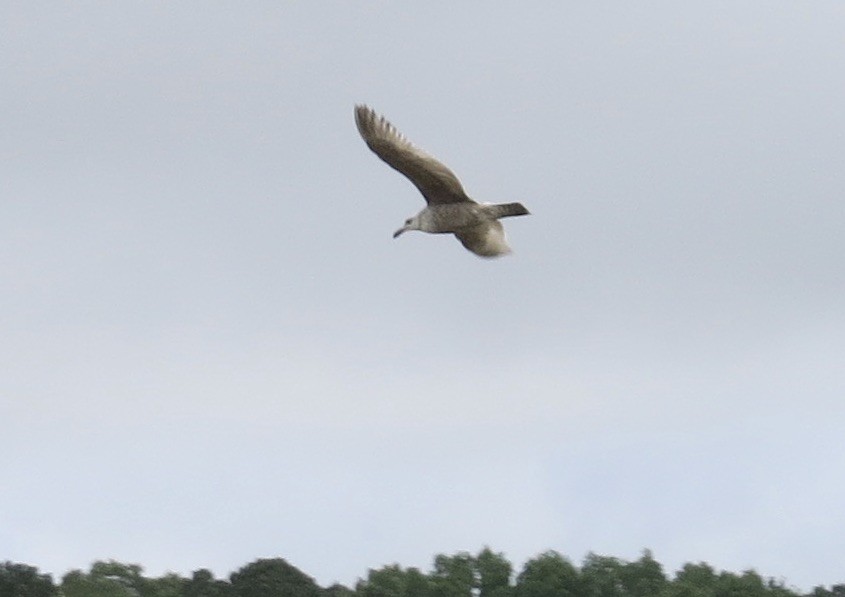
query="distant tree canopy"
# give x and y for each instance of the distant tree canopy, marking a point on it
(109, 579)
(203, 584)
(548, 574)
(486, 574)
(272, 577)
(20, 580)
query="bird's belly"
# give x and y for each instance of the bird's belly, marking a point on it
(452, 218)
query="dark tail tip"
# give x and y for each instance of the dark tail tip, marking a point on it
(515, 209)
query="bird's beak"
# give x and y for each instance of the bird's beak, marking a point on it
(400, 231)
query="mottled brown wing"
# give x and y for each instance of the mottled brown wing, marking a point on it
(435, 181)
(485, 240)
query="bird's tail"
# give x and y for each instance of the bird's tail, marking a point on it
(504, 210)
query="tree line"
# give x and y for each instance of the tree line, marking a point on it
(486, 574)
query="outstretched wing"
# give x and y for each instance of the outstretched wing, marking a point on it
(485, 240)
(435, 181)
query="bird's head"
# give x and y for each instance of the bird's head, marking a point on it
(410, 224)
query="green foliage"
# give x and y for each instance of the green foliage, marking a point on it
(700, 580)
(749, 584)
(493, 574)
(459, 575)
(338, 590)
(488, 574)
(547, 575)
(106, 579)
(393, 581)
(693, 580)
(644, 578)
(20, 580)
(272, 578)
(417, 583)
(835, 591)
(454, 576)
(203, 584)
(169, 585)
(385, 582)
(602, 576)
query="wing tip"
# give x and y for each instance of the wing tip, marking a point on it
(374, 126)
(368, 122)
(363, 117)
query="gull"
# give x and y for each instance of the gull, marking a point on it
(449, 210)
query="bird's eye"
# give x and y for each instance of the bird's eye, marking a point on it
(407, 221)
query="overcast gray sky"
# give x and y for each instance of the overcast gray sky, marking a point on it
(213, 351)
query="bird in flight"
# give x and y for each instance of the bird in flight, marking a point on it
(449, 210)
